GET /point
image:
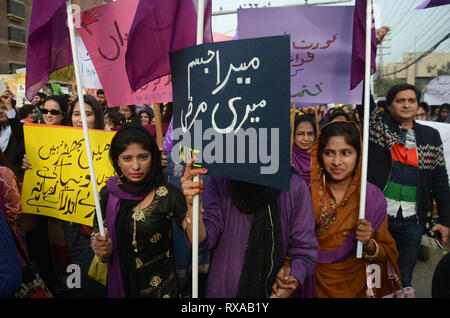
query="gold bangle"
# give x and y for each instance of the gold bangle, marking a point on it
(103, 261)
(374, 255)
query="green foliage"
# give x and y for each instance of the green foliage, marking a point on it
(382, 87)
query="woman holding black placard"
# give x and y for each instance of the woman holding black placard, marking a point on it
(138, 207)
(251, 231)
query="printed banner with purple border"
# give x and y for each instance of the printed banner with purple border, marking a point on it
(321, 49)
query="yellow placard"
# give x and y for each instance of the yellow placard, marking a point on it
(10, 81)
(59, 184)
(16, 83)
(65, 74)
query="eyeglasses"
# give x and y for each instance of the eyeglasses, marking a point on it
(423, 115)
(52, 111)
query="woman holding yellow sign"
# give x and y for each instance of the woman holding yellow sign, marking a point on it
(73, 240)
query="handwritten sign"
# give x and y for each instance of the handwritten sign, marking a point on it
(231, 109)
(321, 44)
(444, 131)
(438, 90)
(59, 185)
(89, 77)
(16, 83)
(104, 31)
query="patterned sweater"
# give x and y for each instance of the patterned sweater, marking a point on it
(401, 190)
(432, 181)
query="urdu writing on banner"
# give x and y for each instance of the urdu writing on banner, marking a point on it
(104, 31)
(231, 109)
(59, 184)
(320, 50)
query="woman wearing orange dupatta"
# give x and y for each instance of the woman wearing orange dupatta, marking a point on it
(335, 192)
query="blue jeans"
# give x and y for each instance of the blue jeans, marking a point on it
(407, 233)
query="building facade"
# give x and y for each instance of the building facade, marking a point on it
(14, 24)
(420, 73)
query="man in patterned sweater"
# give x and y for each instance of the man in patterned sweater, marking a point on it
(406, 161)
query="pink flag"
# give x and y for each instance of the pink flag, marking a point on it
(105, 32)
(158, 28)
(48, 43)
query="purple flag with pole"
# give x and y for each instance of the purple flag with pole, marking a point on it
(359, 45)
(168, 140)
(48, 44)
(432, 3)
(158, 28)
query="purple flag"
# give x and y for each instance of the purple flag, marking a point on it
(158, 28)
(48, 43)
(359, 45)
(168, 140)
(432, 3)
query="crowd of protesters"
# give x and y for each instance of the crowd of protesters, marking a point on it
(255, 241)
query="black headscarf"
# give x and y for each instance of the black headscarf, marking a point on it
(134, 133)
(263, 255)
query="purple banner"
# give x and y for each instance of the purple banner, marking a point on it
(321, 49)
(432, 3)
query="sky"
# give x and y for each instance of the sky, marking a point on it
(412, 30)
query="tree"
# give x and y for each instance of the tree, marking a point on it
(382, 85)
(443, 70)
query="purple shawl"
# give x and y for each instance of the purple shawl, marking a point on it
(115, 284)
(375, 214)
(302, 163)
(227, 232)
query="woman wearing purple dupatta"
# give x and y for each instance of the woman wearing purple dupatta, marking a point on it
(335, 193)
(304, 135)
(251, 230)
(139, 207)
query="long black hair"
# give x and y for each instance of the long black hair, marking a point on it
(441, 108)
(63, 106)
(134, 115)
(133, 133)
(340, 128)
(98, 113)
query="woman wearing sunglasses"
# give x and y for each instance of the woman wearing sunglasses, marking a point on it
(45, 237)
(54, 111)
